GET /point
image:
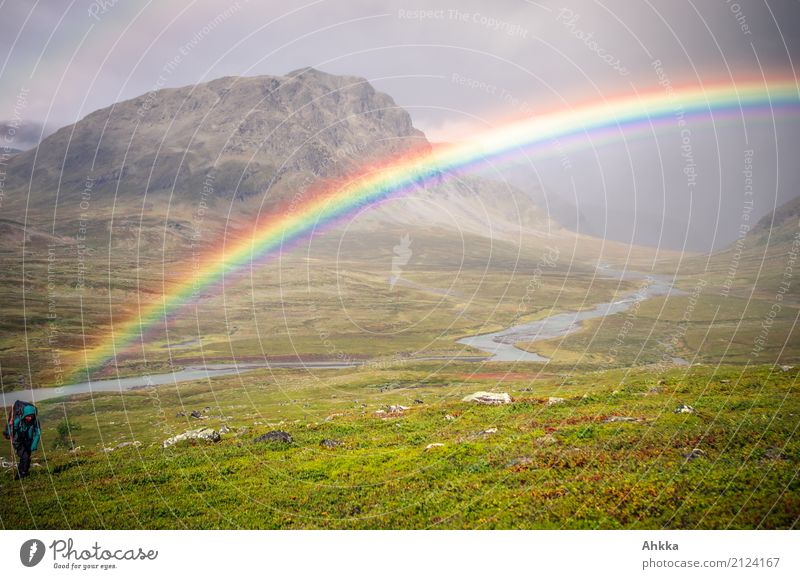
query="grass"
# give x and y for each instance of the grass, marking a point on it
(572, 464)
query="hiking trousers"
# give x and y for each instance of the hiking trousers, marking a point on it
(24, 453)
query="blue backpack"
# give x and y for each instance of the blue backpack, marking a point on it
(16, 426)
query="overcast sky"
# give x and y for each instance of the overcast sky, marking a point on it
(456, 66)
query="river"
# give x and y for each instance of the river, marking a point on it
(499, 345)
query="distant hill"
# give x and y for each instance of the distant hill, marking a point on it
(779, 226)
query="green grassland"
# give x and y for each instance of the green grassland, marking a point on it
(329, 300)
(612, 454)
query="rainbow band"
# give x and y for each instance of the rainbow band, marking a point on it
(615, 118)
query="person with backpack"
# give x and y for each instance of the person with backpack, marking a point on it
(24, 431)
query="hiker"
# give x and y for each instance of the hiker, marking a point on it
(23, 430)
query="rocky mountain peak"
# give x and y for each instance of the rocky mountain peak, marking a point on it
(253, 134)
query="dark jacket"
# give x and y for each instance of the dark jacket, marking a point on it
(24, 432)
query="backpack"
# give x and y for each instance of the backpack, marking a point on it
(16, 416)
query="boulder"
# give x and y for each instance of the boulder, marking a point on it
(622, 419)
(205, 434)
(330, 443)
(695, 453)
(276, 436)
(492, 398)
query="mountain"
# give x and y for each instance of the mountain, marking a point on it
(777, 227)
(241, 145)
(20, 135)
(240, 135)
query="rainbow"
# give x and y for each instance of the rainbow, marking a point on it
(607, 119)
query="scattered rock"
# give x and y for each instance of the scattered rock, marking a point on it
(786, 368)
(521, 461)
(433, 445)
(180, 415)
(380, 412)
(553, 400)
(276, 436)
(546, 440)
(330, 443)
(773, 453)
(684, 409)
(332, 416)
(488, 431)
(418, 401)
(724, 381)
(622, 419)
(695, 453)
(207, 409)
(492, 398)
(196, 414)
(224, 429)
(206, 434)
(397, 408)
(121, 445)
(5, 463)
(449, 417)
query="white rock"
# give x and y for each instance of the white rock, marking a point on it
(684, 409)
(397, 408)
(122, 445)
(449, 417)
(553, 400)
(433, 445)
(224, 429)
(488, 398)
(199, 434)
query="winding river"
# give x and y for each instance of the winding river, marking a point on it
(498, 345)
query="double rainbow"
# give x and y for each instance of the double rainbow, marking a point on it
(583, 125)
